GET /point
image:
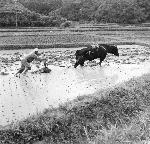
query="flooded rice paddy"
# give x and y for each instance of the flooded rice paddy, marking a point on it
(29, 94)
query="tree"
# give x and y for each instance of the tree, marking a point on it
(42, 6)
(145, 5)
(87, 10)
(122, 12)
(71, 12)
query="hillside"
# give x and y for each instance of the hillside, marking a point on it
(25, 15)
(109, 11)
(42, 6)
(38, 6)
(12, 7)
(8, 14)
(3, 2)
(99, 11)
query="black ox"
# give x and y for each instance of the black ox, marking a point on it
(92, 52)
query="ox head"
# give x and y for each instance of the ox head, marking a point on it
(80, 59)
(114, 50)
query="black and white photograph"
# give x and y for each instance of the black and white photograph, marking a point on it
(74, 71)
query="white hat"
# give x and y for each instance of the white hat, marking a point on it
(36, 50)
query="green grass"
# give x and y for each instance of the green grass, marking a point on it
(116, 115)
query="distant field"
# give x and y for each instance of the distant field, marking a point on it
(73, 37)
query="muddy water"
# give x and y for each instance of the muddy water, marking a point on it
(27, 95)
(30, 94)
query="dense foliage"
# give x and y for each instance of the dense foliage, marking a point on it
(29, 13)
(42, 6)
(28, 19)
(117, 11)
(55, 12)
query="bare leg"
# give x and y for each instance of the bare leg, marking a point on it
(45, 64)
(27, 67)
(20, 70)
(26, 70)
(101, 59)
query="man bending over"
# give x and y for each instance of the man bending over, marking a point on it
(25, 62)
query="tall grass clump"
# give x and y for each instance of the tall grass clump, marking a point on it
(116, 115)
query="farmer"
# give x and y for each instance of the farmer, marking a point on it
(25, 62)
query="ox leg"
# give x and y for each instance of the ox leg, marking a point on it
(100, 63)
(101, 59)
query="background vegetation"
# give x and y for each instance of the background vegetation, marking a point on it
(55, 12)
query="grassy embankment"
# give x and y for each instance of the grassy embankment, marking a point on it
(116, 115)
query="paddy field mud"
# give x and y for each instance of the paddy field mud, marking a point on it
(29, 94)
